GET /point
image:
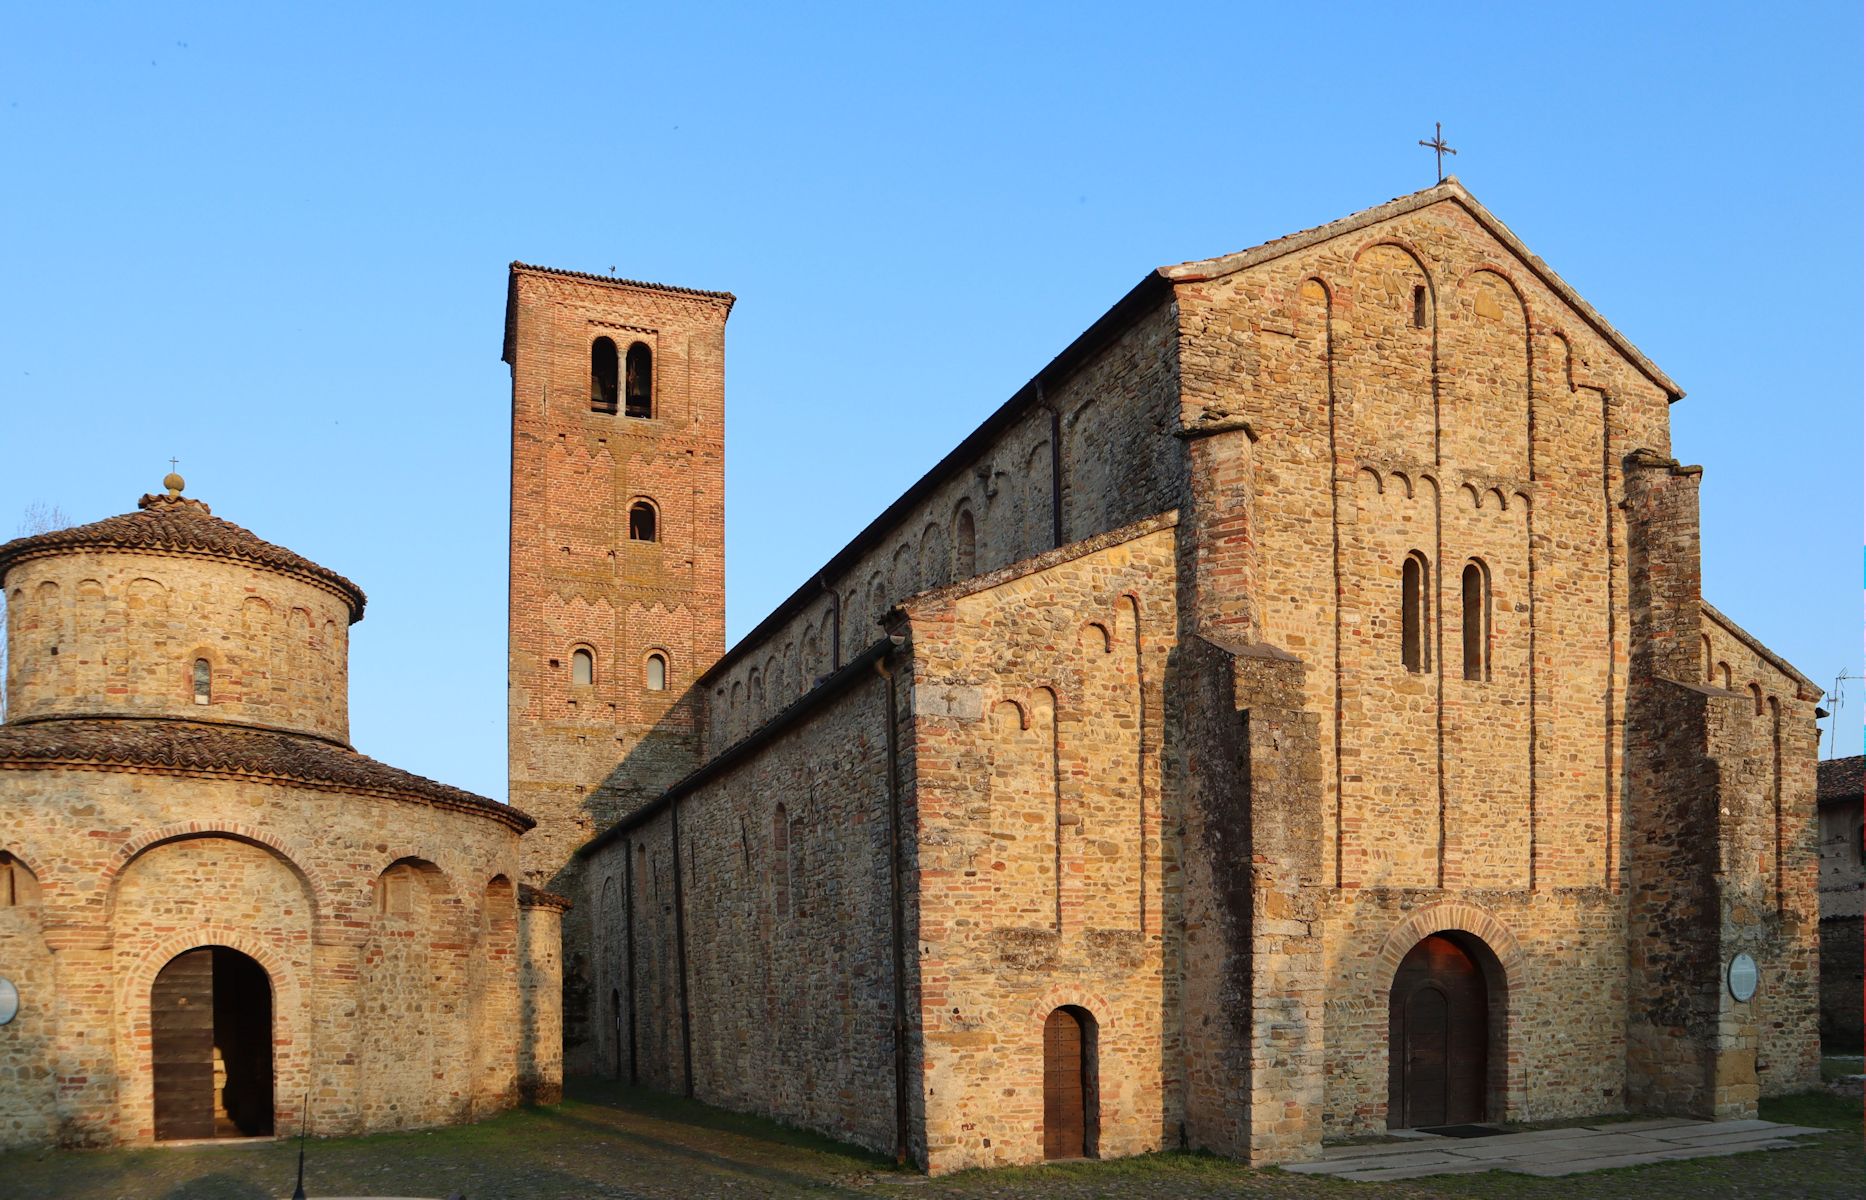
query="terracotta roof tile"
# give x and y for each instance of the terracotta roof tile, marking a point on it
(1841, 778)
(536, 897)
(273, 755)
(176, 523)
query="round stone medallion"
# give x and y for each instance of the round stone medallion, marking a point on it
(1744, 976)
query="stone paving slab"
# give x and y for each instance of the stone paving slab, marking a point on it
(1581, 1166)
(1644, 1125)
(1714, 1135)
(1553, 1152)
(1392, 1173)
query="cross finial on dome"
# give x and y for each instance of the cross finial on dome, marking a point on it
(173, 482)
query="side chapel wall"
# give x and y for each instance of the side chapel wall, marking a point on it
(1046, 875)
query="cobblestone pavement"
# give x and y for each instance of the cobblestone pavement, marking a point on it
(605, 1142)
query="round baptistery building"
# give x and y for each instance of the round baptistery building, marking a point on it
(215, 915)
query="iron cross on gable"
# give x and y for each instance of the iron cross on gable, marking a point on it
(1438, 146)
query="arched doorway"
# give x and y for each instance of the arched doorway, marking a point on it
(1069, 1083)
(210, 1019)
(1438, 1036)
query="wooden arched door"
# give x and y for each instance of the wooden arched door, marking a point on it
(210, 1019)
(1066, 1048)
(1438, 1038)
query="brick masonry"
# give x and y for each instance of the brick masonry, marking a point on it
(580, 582)
(1163, 745)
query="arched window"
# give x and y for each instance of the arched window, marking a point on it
(1723, 675)
(602, 376)
(640, 377)
(582, 667)
(1415, 609)
(780, 862)
(965, 544)
(656, 672)
(1710, 669)
(203, 681)
(641, 522)
(1476, 621)
(19, 887)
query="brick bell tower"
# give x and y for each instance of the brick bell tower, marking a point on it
(617, 596)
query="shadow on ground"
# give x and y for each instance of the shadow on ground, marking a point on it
(607, 1141)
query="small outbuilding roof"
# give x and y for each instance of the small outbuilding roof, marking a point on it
(174, 524)
(197, 747)
(1841, 779)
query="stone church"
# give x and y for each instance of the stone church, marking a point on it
(1292, 714)
(215, 915)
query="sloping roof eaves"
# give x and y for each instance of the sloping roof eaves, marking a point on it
(204, 747)
(1767, 655)
(850, 673)
(1450, 190)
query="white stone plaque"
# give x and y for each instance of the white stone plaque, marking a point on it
(1743, 978)
(9, 1001)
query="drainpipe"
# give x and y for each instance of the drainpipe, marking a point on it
(628, 889)
(898, 927)
(680, 961)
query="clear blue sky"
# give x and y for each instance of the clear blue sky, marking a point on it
(272, 243)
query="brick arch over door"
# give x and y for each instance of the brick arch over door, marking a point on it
(293, 1040)
(1509, 991)
(326, 929)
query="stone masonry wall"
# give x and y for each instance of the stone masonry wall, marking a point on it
(1044, 873)
(1417, 388)
(1843, 901)
(773, 892)
(377, 986)
(1765, 739)
(120, 632)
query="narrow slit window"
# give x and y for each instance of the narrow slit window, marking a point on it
(602, 375)
(203, 681)
(1418, 306)
(1476, 621)
(965, 539)
(780, 862)
(1415, 583)
(641, 522)
(657, 673)
(582, 668)
(640, 379)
